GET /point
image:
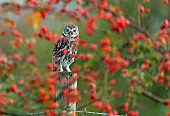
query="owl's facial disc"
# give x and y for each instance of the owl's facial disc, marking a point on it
(70, 31)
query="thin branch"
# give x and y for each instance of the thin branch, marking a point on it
(79, 111)
(28, 114)
(8, 5)
(10, 114)
(98, 113)
(136, 26)
(140, 29)
(87, 104)
(152, 96)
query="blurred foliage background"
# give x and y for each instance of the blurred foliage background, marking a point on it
(55, 23)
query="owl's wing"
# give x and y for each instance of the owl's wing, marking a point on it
(59, 46)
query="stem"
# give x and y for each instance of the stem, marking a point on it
(152, 96)
(105, 82)
(87, 104)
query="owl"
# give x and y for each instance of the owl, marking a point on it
(65, 49)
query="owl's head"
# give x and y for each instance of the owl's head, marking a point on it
(70, 31)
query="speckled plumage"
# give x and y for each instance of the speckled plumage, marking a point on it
(65, 49)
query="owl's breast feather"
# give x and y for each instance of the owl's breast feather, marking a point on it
(76, 41)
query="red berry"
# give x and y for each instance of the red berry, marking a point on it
(52, 105)
(160, 81)
(108, 16)
(92, 85)
(117, 9)
(93, 47)
(79, 1)
(141, 9)
(148, 10)
(10, 102)
(88, 57)
(112, 83)
(144, 66)
(85, 92)
(16, 57)
(63, 9)
(75, 70)
(13, 88)
(43, 28)
(97, 104)
(165, 1)
(165, 24)
(168, 84)
(49, 66)
(82, 56)
(125, 107)
(3, 33)
(49, 36)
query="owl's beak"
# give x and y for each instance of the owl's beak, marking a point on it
(71, 33)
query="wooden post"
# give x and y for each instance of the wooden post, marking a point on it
(71, 108)
(65, 82)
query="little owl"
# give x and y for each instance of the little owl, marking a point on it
(65, 49)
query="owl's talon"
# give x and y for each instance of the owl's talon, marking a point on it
(70, 73)
(60, 69)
